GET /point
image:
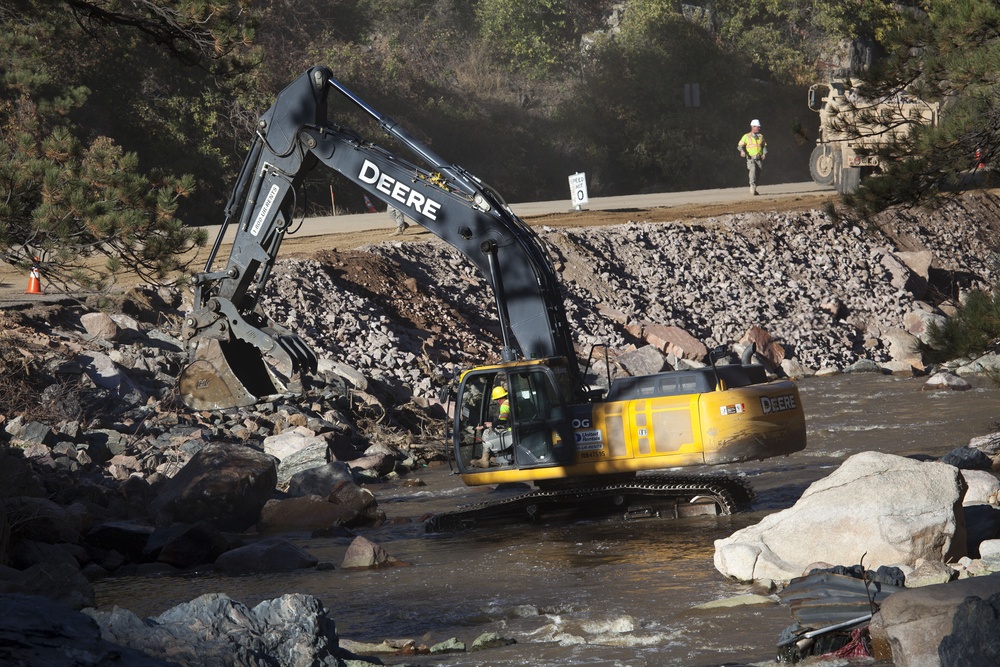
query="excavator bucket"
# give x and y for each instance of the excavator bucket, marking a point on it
(238, 359)
(226, 374)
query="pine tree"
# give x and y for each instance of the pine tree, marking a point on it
(68, 194)
(949, 53)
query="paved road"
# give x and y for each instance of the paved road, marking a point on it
(364, 221)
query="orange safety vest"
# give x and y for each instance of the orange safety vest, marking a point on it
(753, 143)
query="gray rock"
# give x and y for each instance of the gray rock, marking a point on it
(100, 325)
(864, 366)
(645, 360)
(288, 442)
(320, 480)
(126, 537)
(989, 444)
(39, 632)
(946, 381)
(975, 637)
(267, 555)
(489, 640)
(60, 582)
(452, 645)
(966, 458)
(307, 513)
(186, 545)
(363, 553)
(216, 631)
(224, 484)
(105, 373)
(314, 454)
(915, 621)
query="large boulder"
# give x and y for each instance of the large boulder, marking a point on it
(268, 555)
(303, 513)
(43, 520)
(884, 509)
(645, 360)
(768, 350)
(360, 500)
(914, 622)
(58, 581)
(186, 545)
(674, 340)
(38, 631)
(975, 637)
(314, 454)
(225, 484)
(288, 442)
(17, 477)
(214, 630)
(319, 480)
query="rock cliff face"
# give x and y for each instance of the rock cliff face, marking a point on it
(831, 291)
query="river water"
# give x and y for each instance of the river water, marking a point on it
(609, 593)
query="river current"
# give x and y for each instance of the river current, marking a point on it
(607, 593)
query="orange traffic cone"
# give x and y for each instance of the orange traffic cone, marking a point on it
(35, 282)
(370, 208)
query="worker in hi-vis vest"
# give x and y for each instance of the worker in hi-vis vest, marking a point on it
(753, 147)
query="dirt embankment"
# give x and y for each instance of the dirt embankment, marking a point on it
(306, 245)
(14, 280)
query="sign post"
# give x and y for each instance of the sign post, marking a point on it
(578, 189)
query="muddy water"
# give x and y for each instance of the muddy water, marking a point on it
(591, 593)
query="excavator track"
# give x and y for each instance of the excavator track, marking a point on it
(655, 495)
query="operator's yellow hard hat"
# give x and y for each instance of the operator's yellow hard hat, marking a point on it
(498, 392)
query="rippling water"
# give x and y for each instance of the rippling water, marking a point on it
(591, 593)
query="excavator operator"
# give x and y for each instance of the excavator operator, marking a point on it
(498, 426)
(499, 395)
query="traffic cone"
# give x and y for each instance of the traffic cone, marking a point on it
(368, 205)
(35, 282)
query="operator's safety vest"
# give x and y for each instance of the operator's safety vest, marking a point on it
(754, 144)
(504, 415)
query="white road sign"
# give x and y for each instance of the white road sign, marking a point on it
(578, 189)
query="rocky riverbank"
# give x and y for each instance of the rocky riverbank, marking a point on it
(830, 291)
(102, 472)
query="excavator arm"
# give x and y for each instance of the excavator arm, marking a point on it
(237, 354)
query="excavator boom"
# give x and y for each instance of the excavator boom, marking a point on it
(239, 355)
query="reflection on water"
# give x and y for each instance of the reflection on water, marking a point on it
(591, 593)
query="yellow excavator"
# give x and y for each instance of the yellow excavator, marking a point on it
(580, 448)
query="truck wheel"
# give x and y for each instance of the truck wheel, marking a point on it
(821, 165)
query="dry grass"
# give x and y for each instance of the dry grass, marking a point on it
(27, 386)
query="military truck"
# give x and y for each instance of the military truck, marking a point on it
(841, 158)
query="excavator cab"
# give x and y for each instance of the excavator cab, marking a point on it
(533, 434)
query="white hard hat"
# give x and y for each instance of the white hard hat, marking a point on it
(755, 123)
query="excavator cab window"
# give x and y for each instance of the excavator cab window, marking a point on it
(527, 438)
